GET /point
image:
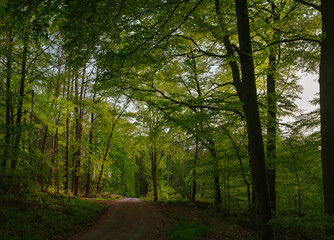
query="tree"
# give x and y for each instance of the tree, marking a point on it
(326, 99)
(249, 99)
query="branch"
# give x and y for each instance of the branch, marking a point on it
(293, 40)
(175, 29)
(39, 54)
(155, 34)
(204, 53)
(39, 74)
(309, 4)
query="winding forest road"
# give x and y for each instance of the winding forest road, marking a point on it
(126, 219)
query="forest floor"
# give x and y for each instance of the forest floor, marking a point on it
(133, 219)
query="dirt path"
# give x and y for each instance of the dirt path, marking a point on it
(126, 219)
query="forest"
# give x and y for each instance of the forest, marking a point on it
(170, 100)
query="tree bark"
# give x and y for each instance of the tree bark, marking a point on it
(271, 130)
(89, 170)
(43, 157)
(218, 197)
(153, 157)
(8, 102)
(326, 103)
(18, 134)
(54, 140)
(272, 115)
(169, 168)
(250, 106)
(105, 156)
(77, 153)
(194, 182)
(68, 139)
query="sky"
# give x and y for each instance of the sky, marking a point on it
(311, 88)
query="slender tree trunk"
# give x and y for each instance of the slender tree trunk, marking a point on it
(67, 155)
(249, 96)
(89, 170)
(228, 194)
(169, 168)
(218, 197)
(326, 103)
(77, 153)
(68, 139)
(272, 118)
(297, 179)
(19, 110)
(236, 148)
(54, 139)
(73, 164)
(56, 174)
(153, 156)
(8, 102)
(271, 130)
(79, 118)
(194, 182)
(105, 158)
(43, 157)
(7, 152)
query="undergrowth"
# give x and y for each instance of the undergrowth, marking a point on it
(187, 230)
(45, 217)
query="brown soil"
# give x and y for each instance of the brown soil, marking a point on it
(126, 219)
(132, 219)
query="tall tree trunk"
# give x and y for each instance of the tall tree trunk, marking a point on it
(73, 164)
(271, 116)
(249, 95)
(43, 157)
(194, 182)
(77, 153)
(79, 118)
(56, 172)
(271, 130)
(105, 158)
(169, 168)
(54, 139)
(8, 102)
(326, 103)
(18, 134)
(218, 197)
(68, 139)
(7, 152)
(153, 156)
(89, 170)
(297, 178)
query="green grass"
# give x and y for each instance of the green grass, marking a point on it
(53, 216)
(187, 230)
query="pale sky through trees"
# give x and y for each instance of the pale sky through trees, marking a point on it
(310, 91)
